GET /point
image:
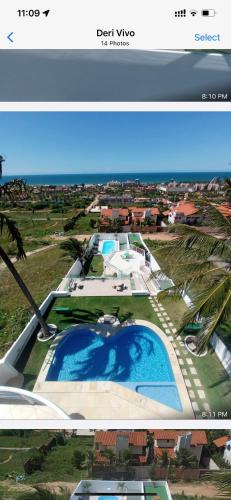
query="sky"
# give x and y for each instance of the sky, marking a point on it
(101, 142)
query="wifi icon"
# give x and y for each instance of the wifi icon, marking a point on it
(193, 13)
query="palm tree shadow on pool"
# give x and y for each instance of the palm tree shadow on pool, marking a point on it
(104, 359)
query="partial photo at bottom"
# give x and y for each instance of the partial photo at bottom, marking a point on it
(154, 464)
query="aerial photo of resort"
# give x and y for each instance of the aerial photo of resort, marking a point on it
(115, 256)
(150, 464)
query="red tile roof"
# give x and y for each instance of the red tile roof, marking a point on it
(225, 209)
(155, 211)
(221, 441)
(198, 438)
(158, 452)
(165, 434)
(108, 438)
(187, 208)
(123, 212)
(106, 212)
(99, 458)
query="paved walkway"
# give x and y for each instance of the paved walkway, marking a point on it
(186, 360)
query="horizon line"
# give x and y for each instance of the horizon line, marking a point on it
(116, 172)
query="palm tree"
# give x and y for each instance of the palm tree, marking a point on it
(109, 454)
(228, 188)
(14, 235)
(201, 262)
(185, 459)
(222, 480)
(89, 461)
(76, 249)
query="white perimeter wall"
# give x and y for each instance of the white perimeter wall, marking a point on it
(7, 363)
(222, 353)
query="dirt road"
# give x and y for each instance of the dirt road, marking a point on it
(205, 489)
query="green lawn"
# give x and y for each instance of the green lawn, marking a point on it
(134, 238)
(84, 310)
(89, 309)
(42, 273)
(214, 378)
(96, 267)
(20, 439)
(58, 462)
(83, 225)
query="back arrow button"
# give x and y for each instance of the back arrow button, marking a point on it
(9, 37)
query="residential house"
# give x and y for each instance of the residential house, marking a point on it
(184, 213)
(140, 215)
(109, 215)
(172, 441)
(118, 441)
(223, 444)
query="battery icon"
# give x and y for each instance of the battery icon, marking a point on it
(208, 13)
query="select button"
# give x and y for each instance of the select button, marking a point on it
(206, 37)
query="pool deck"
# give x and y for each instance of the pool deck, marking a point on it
(111, 400)
(101, 287)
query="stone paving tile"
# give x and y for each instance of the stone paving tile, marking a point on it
(206, 406)
(174, 330)
(201, 394)
(193, 370)
(165, 325)
(181, 362)
(187, 382)
(167, 330)
(171, 324)
(189, 361)
(177, 352)
(191, 394)
(165, 314)
(197, 382)
(184, 371)
(170, 338)
(174, 344)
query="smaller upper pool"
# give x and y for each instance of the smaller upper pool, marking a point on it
(108, 247)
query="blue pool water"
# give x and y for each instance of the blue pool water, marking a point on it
(108, 497)
(135, 357)
(108, 246)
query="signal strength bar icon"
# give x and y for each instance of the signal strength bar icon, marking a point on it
(180, 13)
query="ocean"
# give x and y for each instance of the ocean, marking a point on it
(144, 177)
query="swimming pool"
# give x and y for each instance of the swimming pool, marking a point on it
(135, 357)
(108, 246)
(108, 497)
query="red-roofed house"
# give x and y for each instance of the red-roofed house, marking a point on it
(224, 446)
(118, 441)
(184, 213)
(172, 441)
(225, 209)
(108, 215)
(142, 213)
